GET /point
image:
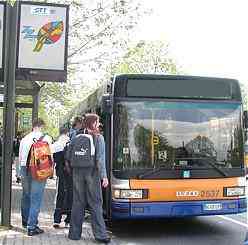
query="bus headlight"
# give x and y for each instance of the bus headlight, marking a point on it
(130, 194)
(234, 191)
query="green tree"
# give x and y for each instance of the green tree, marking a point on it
(244, 92)
(97, 32)
(147, 57)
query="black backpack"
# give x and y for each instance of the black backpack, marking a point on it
(82, 151)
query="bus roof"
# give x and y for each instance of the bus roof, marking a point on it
(176, 86)
(172, 77)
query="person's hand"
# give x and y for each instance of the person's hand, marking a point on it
(105, 182)
(67, 168)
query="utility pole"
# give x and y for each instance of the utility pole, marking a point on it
(9, 108)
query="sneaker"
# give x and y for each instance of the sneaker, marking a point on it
(38, 229)
(103, 240)
(56, 225)
(35, 231)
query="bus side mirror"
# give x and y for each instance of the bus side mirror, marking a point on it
(107, 103)
(245, 119)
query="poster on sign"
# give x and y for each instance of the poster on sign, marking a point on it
(42, 42)
(2, 27)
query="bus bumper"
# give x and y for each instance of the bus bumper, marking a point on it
(131, 210)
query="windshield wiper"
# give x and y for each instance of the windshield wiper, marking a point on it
(212, 163)
(208, 161)
(153, 171)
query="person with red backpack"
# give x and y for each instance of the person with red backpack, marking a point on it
(36, 163)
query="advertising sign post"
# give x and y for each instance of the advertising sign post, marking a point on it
(9, 108)
(42, 42)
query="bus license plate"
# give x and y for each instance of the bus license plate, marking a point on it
(212, 206)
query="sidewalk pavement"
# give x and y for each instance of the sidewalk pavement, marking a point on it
(18, 236)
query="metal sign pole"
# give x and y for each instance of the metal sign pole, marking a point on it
(9, 108)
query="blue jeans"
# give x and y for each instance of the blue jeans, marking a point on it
(32, 195)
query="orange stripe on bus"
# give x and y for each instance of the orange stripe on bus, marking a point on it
(183, 190)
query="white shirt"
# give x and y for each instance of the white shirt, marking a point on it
(60, 143)
(26, 143)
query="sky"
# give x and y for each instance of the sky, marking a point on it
(206, 37)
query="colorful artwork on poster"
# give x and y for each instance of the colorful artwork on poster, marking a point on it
(43, 40)
(49, 33)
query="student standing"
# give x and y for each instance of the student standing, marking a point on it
(87, 181)
(64, 180)
(76, 126)
(32, 190)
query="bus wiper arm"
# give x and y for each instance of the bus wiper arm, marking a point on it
(153, 171)
(217, 168)
(157, 170)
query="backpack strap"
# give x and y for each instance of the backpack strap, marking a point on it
(42, 137)
(95, 141)
(28, 160)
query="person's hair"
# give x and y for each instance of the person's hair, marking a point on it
(77, 120)
(63, 130)
(89, 120)
(38, 123)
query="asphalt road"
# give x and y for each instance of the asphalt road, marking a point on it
(208, 230)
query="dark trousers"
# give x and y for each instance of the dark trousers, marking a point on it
(64, 198)
(87, 191)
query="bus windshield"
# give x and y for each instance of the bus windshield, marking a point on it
(170, 135)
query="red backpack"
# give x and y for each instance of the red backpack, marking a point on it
(40, 164)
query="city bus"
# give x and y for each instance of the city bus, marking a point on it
(174, 146)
